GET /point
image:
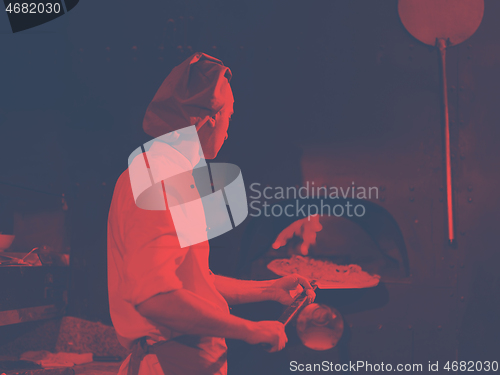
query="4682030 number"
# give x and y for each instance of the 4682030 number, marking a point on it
(33, 8)
(471, 366)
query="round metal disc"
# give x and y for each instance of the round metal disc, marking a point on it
(428, 20)
(320, 327)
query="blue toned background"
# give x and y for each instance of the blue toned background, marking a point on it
(325, 91)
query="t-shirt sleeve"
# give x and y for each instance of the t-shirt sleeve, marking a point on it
(153, 255)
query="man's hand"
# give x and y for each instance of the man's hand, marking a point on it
(268, 332)
(285, 290)
(305, 228)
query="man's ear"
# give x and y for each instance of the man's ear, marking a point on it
(206, 120)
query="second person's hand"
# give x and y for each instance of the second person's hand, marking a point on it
(305, 229)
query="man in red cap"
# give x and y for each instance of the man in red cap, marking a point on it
(165, 303)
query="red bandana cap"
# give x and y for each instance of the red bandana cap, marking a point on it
(195, 89)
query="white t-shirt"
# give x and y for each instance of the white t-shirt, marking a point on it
(145, 259)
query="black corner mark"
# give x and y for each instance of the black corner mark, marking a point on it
(25, 14)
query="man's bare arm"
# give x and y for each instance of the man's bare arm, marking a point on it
(244, 291)
(282, 290)
(184, 311)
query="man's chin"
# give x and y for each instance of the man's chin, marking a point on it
(210, 156)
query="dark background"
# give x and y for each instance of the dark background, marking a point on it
(325, 91)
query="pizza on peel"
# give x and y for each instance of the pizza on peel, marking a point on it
(326, 274)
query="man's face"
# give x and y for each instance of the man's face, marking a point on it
(213, 134)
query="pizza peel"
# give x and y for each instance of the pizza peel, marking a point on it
(346, 285)
(319, 326)
(298, 303)
(292, 310)
(324, 284)
(442, 24)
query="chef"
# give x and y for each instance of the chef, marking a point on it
(166, 305)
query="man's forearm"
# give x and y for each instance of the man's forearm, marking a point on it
(184, 311)
(243, 291)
